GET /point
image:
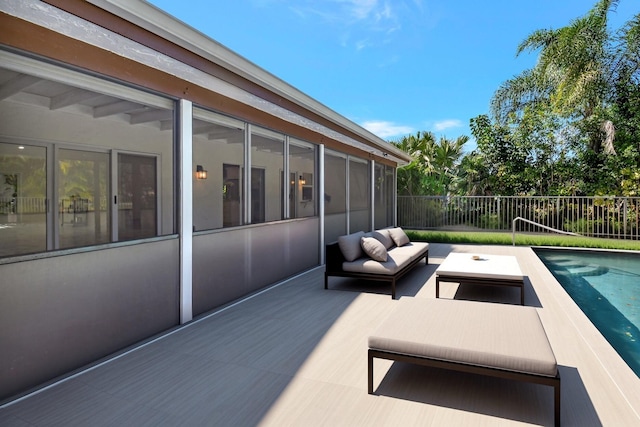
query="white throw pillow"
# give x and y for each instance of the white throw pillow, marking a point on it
(374, 248)
(350, 246)
(399, 237)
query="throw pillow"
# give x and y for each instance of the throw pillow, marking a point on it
(384, 238)
(399, 236)
(374, 248)
(350, 246)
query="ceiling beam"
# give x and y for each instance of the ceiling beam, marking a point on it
(17, 85)
(115, 108)
(74, 96)
(150, 116)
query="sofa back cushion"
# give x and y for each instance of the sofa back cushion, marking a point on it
(384, 238)
(399, 237)
(374, 248)
(350, 246)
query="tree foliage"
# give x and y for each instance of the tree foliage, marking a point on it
(435, 165)
(568, 126)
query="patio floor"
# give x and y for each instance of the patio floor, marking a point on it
(297, 355)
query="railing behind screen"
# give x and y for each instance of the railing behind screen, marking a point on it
(611, 217)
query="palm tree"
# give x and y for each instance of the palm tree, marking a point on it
(435, 164)
(411, 178)
(446, 159)
(573, 75)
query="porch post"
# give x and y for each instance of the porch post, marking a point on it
(185, 222)
(372, 184)
(321, 200)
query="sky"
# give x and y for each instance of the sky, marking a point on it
(395, 67)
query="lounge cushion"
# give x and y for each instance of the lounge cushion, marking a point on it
(350, 245)
(475, 333)
(384, 238)
(398, 236)
(373, 248)
(457, 264)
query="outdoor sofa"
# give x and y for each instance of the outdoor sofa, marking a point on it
(498, 340)
(383, 255)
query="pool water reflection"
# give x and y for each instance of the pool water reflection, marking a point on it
(606, 287)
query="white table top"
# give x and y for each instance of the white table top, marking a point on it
(502, 267)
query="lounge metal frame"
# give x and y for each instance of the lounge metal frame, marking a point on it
(462, 280)
(474, 369)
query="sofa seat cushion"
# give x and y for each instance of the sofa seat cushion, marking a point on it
(397, 259)
(394, 263)
(476, 333)
(414, 250)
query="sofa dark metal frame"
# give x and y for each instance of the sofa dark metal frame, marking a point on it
(334, 260)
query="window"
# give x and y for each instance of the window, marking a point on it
(218, 147)
(83, 192)
(267, 164)
(302, 186)
(384, 180)
(359, 195)
(335, 196)
(85, 161)
(23, 199)
(137, 202)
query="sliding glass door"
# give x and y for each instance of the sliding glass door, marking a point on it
(83, 190)
(23, 196)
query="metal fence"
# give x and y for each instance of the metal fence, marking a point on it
(606, 216)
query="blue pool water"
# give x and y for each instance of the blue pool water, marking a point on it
(606, 287)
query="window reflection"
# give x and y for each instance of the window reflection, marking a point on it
(359, 196)
(23, 210)
(82, 132)
(218, 146)
(267, 164)
(302, 186)
(137, 196)
(83, 214)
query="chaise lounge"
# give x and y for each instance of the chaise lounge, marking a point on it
(383, 255)
(497, 340)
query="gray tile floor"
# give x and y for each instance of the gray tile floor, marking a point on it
(296, 355)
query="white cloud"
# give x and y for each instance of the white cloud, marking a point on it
(372, 21)
(360, 9)
(386, 129)
(447, 124)
(361, 44)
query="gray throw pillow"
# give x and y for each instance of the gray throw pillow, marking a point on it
(399, 236)
(384, 238)
(374, 248)
(350, 246)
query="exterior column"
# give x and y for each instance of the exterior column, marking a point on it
(372, 184)
(321, 200)
(185, 222)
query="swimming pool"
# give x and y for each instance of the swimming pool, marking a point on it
(606, 287)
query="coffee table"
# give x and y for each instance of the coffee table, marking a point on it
(480, 269)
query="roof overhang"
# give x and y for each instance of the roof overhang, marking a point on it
(157, 21)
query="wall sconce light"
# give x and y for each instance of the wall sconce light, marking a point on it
(302, 180)
(200, 172)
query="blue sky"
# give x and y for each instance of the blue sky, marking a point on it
(394, 67)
